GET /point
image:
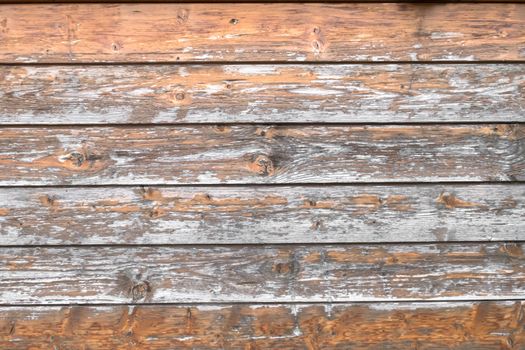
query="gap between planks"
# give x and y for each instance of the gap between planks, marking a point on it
(269, 303)
(250, 63)
(261, 124)
(295, 184)
(14, 2)
(254, 245)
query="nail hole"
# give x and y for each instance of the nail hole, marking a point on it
(116, 46)
(182, 16)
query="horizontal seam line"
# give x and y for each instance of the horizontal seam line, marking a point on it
(255, 123)
(257, 1)
(383, 301)
(265, 245)
(247, 62)
(278, 185)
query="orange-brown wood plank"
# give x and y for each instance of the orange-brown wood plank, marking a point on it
(210, 154)
(262, 214)
(459, 326)
(261, 273)
(261, 32)
(359, 93)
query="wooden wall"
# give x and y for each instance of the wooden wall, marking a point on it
(345, 175)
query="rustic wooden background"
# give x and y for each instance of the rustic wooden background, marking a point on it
(262, 175)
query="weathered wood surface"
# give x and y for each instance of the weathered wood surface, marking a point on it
(261, 93)
(313, 214)
(189, 266)
(261, 32)
(460, 326)
(286, 273)
(261, 154)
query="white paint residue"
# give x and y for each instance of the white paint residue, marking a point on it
(213, 88)
(24, 59)
(204, 57)
(183, 72)
(251, 69)
(450, 56)
(141, 92)
(445, 35)
(316, 91)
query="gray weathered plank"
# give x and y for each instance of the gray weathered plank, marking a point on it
(261, 273)
(261, 93)
(261, 32)
(261, 154)
(460, 326)
(313, 214)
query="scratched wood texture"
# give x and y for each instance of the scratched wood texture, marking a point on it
(261, 93)
(57, 33)
(261, 154)
(344, 189)
(251, 274)
(459, 326)
(224, 215)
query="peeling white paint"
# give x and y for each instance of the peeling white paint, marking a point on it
(445, 35)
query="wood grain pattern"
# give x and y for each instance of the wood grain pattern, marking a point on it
(289, 219)
(261, 32)
(460, 326)
(312, 273)
(261, 154)
(261, 93)
(224, 215)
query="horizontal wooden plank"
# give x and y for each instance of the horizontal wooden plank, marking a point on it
(256, 32)
(261, 93)
(286, 273)
(461, 326)
(313, 214)
(261, 154)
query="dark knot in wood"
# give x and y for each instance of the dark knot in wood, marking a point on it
(263, 165)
